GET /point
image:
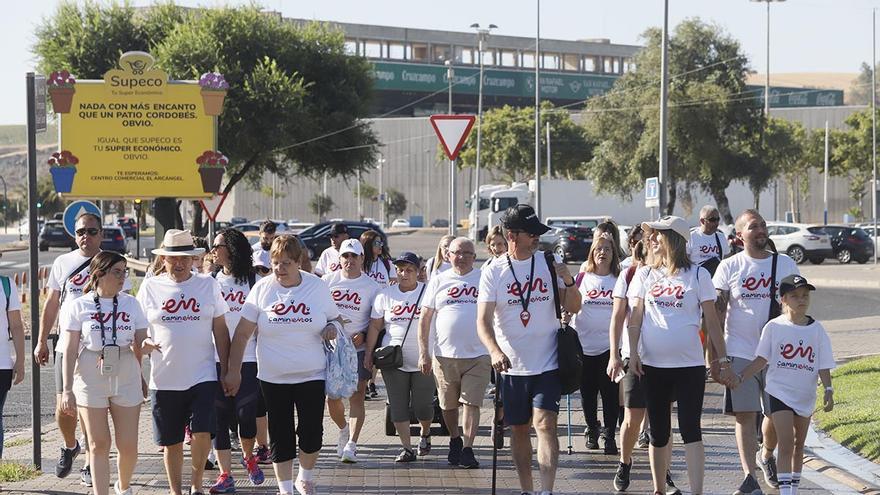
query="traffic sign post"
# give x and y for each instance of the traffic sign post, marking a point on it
(452, 131)
(212, 206)
(74, 210)
(652, 192)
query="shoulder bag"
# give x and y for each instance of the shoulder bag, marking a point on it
(569, 352)
(391, 356)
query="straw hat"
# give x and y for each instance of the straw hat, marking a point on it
(178, 243)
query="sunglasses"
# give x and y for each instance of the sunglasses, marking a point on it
(377, 243)
(92, 231)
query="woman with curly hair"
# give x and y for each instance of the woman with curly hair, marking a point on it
(377, 259)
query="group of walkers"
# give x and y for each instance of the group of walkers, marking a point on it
(236, 349)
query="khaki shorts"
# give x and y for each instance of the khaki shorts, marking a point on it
(92, 389)
(461, 380)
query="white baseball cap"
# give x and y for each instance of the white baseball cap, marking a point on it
(670, 222)
(353, 246)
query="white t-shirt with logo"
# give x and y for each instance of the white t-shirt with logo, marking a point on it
(382, 275)
(795, 354)
(7, 350)
(181, 317)
(82, 315)
(530, 347)
(328, 262)
(748, 281)
(235, 293)
(71, 287)
(593, 320)
(289, 324)
(621, 286)
(397, 309)
(703, 247)
(354, 299)
(429, 267)
(453, 298)
(670, 336)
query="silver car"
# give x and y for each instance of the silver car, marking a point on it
(801, 242)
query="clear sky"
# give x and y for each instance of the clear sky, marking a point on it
(807, 35)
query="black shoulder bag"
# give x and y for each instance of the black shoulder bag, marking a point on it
(711, 264)
(391, 356)
(775, 308)
(569, 352)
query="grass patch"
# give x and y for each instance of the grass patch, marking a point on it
(12, 471)
(855, 420)
(17, 442)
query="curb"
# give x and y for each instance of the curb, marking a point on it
(828, 457)
(846, 283)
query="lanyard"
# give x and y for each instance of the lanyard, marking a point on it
(101, 319)
(524, 316)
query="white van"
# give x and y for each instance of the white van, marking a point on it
(590, 222)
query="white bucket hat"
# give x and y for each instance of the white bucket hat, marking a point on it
(673, 223)
(178, 243)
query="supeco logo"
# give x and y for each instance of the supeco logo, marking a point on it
(135, 82)
(340, 296)
(753, 283)
(456, 292)
(175, 305)
(79, 279)
(105, 317)
(672, 290)
(599, 294)
(236, 296)
(537, 285)
(282, 309)
(406, 309)
(789, 351)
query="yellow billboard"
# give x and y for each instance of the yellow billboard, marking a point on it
(136, 134)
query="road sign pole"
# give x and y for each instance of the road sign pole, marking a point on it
(34, 262)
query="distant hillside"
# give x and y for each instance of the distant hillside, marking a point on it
(13, 153)
(16, 136)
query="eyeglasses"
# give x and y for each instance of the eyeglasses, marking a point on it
(462, 253)
(91, 231)
(713, 219)
(604, 249)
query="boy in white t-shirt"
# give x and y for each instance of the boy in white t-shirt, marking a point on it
(796, 351)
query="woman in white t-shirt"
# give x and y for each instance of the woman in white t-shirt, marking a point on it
(798, 351)
(440, 261)
(496, 244)
(377, 260)
(670, 296)
(294, 315)
(102, 371)
(396, 309)
(595, 282)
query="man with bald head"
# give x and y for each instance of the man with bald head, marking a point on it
(745, 284)
(708, 246)
(460, 363)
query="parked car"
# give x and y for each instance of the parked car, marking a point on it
(129, 226)
(114, 240)
(440, 223)
(317, 237)
(53, 235)
(238, 220)
(869, 229)
(400, 223)
(247, 227)
(297, 227)
(849, 243)
(801, 242)
(569, 242)
(24, 230)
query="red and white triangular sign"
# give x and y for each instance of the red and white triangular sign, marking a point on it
(212, 205)
(452, 130)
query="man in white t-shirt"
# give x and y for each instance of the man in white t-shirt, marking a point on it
(262, 263)
(461, 362)
(516, 321)
(329, 260)
(708, 245)
(745, 283)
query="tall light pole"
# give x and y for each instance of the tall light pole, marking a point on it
(381, 163)
(482, 38)
(664, 109)
(767, 103)
(538, 111)
(874, 126)
(450, 74)
(428, 187)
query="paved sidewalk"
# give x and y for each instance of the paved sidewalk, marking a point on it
(579, 472)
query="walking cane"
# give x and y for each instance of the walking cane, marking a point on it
(568, 407)
(497, 427)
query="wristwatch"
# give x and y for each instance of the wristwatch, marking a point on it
(829, 389)
(724, 360)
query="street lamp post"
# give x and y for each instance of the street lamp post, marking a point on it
(664, 109)
(5, 205)
(381, 163)
(538, 110)
(482, 37)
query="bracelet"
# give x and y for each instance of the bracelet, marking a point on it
(568, 284)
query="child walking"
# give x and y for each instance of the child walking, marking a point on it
(798, 350)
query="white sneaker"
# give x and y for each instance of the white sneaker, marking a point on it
(349, 453)
(305, 487)
(120, 491)
(344, 437)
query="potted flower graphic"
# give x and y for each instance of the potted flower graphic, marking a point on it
(61, 90)
(214, 87)
(62, 166)
(212, 164)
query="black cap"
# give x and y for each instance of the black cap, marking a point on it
(408, 257)
(793, 282)
(522, 217)
(338, 228)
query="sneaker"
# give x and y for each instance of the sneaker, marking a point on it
(211, 461)
(671, 489)
(454, 456)
(234, 443)
(262, 455)
(349, 453)
(749, 486)
(425, 445)
(120, 491)
(344, 437)
(767, 467)
(609, 443)
(65, 462)
(305, 487)
(187, 435)
(621, 477)
(255, 474)
(85, 476)
(468, 461)
(224, 484)
(592, 438)
(644, 441)
(373, 392)
(405, 455)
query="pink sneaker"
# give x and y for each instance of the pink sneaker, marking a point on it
(187, 435)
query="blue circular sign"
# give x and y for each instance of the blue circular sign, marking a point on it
(74, 210)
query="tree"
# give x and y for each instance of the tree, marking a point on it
(787, 152)
(395, 203)
(713, 125)
(851, 157)
(320, 205)
(859, 92)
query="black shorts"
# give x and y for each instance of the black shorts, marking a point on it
(521, 394)
(633, 388)
(363, 373)
(777, 405)
(240, 410)
(172, 410)
(306, 400)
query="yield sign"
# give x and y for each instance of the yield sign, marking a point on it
(452, 131)
(212, 205)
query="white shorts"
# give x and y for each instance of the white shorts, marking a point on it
(92, 389)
